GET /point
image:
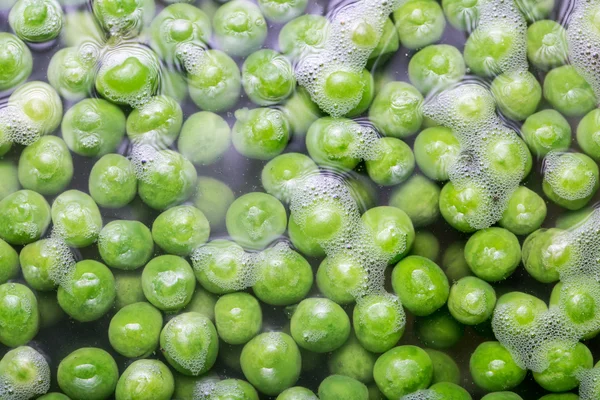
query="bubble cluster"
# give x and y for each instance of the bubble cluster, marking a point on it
(557, 164)
(583, 39)
(28, 374)
(16, 127)
(63, 261)
(192, 55)
(192, 357)
(492, 159)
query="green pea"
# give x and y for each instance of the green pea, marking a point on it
(420, 284)
(216, 83)
(419, 23)
(205, 137)
(202, 302)
(353, 360)
(24, 217)
(9, 262)
(379, 322)
(76, 218)
(168, 282)
(462, 14)
(112, 182)
(283, 276)
(517, 94)
(487, 49)
(36, 20)
(181, 229)
(445, 368)
(519, 310)
(213, 198)
(282, 10)
(50, 311)
(89, 292)
(88, 373)
(145, 379)
(547, 44)
(436, 150)
(340, 86)
(19, 315)
(571, 180)
(392, 231)
(282, 175)
(157, 123)
(303, 243)
(403, 370)
(238, 317)
(240, 27)
(297, 393)
(123, 19)
(454, 263)
(471, 300)
(169, 180)
(135, 329)
(394, 163)
(125, 244)
(502, 396)
(524, 213)
(546, 131)
(256, 219)
(388, 45)
(568, 92)
(128, 287)
(564, 361)
(25, 374)
(71, 71)
(436, 67)
(534, 10)
(426, 245)
(578, 305)
(439, 330)
(271, 362)
(300, 111)
(81, 26)
(40, 104)
(267, 77)
(319, 325)
(332, 142)
(418, 198)
(342, 387)
(235, 389)
(449, 390)
(15, 61)
(460, 206)
(588, 134)
(396, 110)
(493, 368)
(342, 278)
(46, 166)
(261, 133)
(303, 35)
(41, 262)
(220, 266)
(493, 254)
(190, 344)
(10, 180)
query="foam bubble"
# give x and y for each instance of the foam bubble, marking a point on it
(557, 164)
(27, 358)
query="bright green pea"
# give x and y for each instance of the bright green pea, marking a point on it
(19, 315)
(125, 245)
(388, 45)
(445, 368)
(16, 62)
(568, 92)
(128, 287)
(216, 83)
(282, 175)
(418, 198)
(393, 164)
(205, 137)
(303, 35)
(173, 84)
(524, 213)
(419, 23)
(213, 198)
(36, 20)
(449, 390)
(436, 67)
(25, 374)
(238, 317)
(332, 142)
(89, 292)
(507, 156)
(282, 10)
(520, 310)
(134, 330)
(283, 277)
(123, 19)
(577, 302)
(190, 344)
(176, 24)
(471, 300)
(40, 262)
(76, 218)
(300, 111)
(572, 182)
(303, 243)
(439, 330)
(261, 133)
(436, 149)
(379, 322)
(546, 131)
(564, 362)
(50, 311)
(502, 396)
(46, 166)
(547, 44)
(220, 266)
(458, 206)
(88, 373)
(240, 27)
(486, 49)
(517, 94)
(202, 302)
(271, 362)
(493, 368)
(297, 393)
(169, 180)
(181, 229)
(403, 370)
(145, 379)
(342, 278)
(9, 262)
(233, 389)
(343, 86)
(267, 77)
(342, 387)
(24, 217)
(588, 134)
(493, 253)
(352, 360)
(71, 71)
(256, 219)
(392, 231)
(168, 282)
(462, 14)
(420, 284)
(454, 263)
(396, 110)
(157, 123)
(40, 104)
(10, 181)
(534, 10)
(112, 182)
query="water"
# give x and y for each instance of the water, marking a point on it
(243, 175)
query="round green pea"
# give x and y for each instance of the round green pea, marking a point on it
(157, 123)
(403, 370)
(50, 311)
(41, 106)
(353, 360)
(547, 44)
(419, 23)
(524, 213)
(388, 45)
(546, 131)
(112, 182)
(393, 164)
(202, 302)
(205, 137)
(572, 181)
(426, 245)
(306, 245)
(460, 206)
(268, 77)
(297, 393)
(36, 21)
(135, 329)
(46, 166)
(445, 368)
(76, 218)
(392, 231)
(9, 262)
(342, 387)
(24, 217)
(568, 92)
(486, 49)
(564, 362)
(168, 282)
(418, 198)
(341, 86)
(123, 20)
(300, 111)
(213, 197)
(396, 110)
(145, 379)
(545, 253)
(125, 244)
(342, 278)
(454, 263)
(89, 291)
(517, 94)
(436, 67)
(128, 286)
(41, 262)
(303, 35)
(25, 374)
(439, 330)
(16, 62)
(520, 310)
(234, 389)
(493, 253)
(261, 133)
(88, 373)
(240, 28)
(588, 134)
(436, 149)
(282, 10)
(283, 174)
(332, 142)
(449, 390)
(420, 284)
(220, 266)
(10, 181)
(19, 315)
(471, 300)
(238, 317)
(181, 229)
(462, 14)
(379, 322)
(493, 368)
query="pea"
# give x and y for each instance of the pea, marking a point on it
(88, 373)
(403, 370)
(135, 329)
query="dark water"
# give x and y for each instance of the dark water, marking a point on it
(243, 175)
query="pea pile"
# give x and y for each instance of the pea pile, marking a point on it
(299, 200)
